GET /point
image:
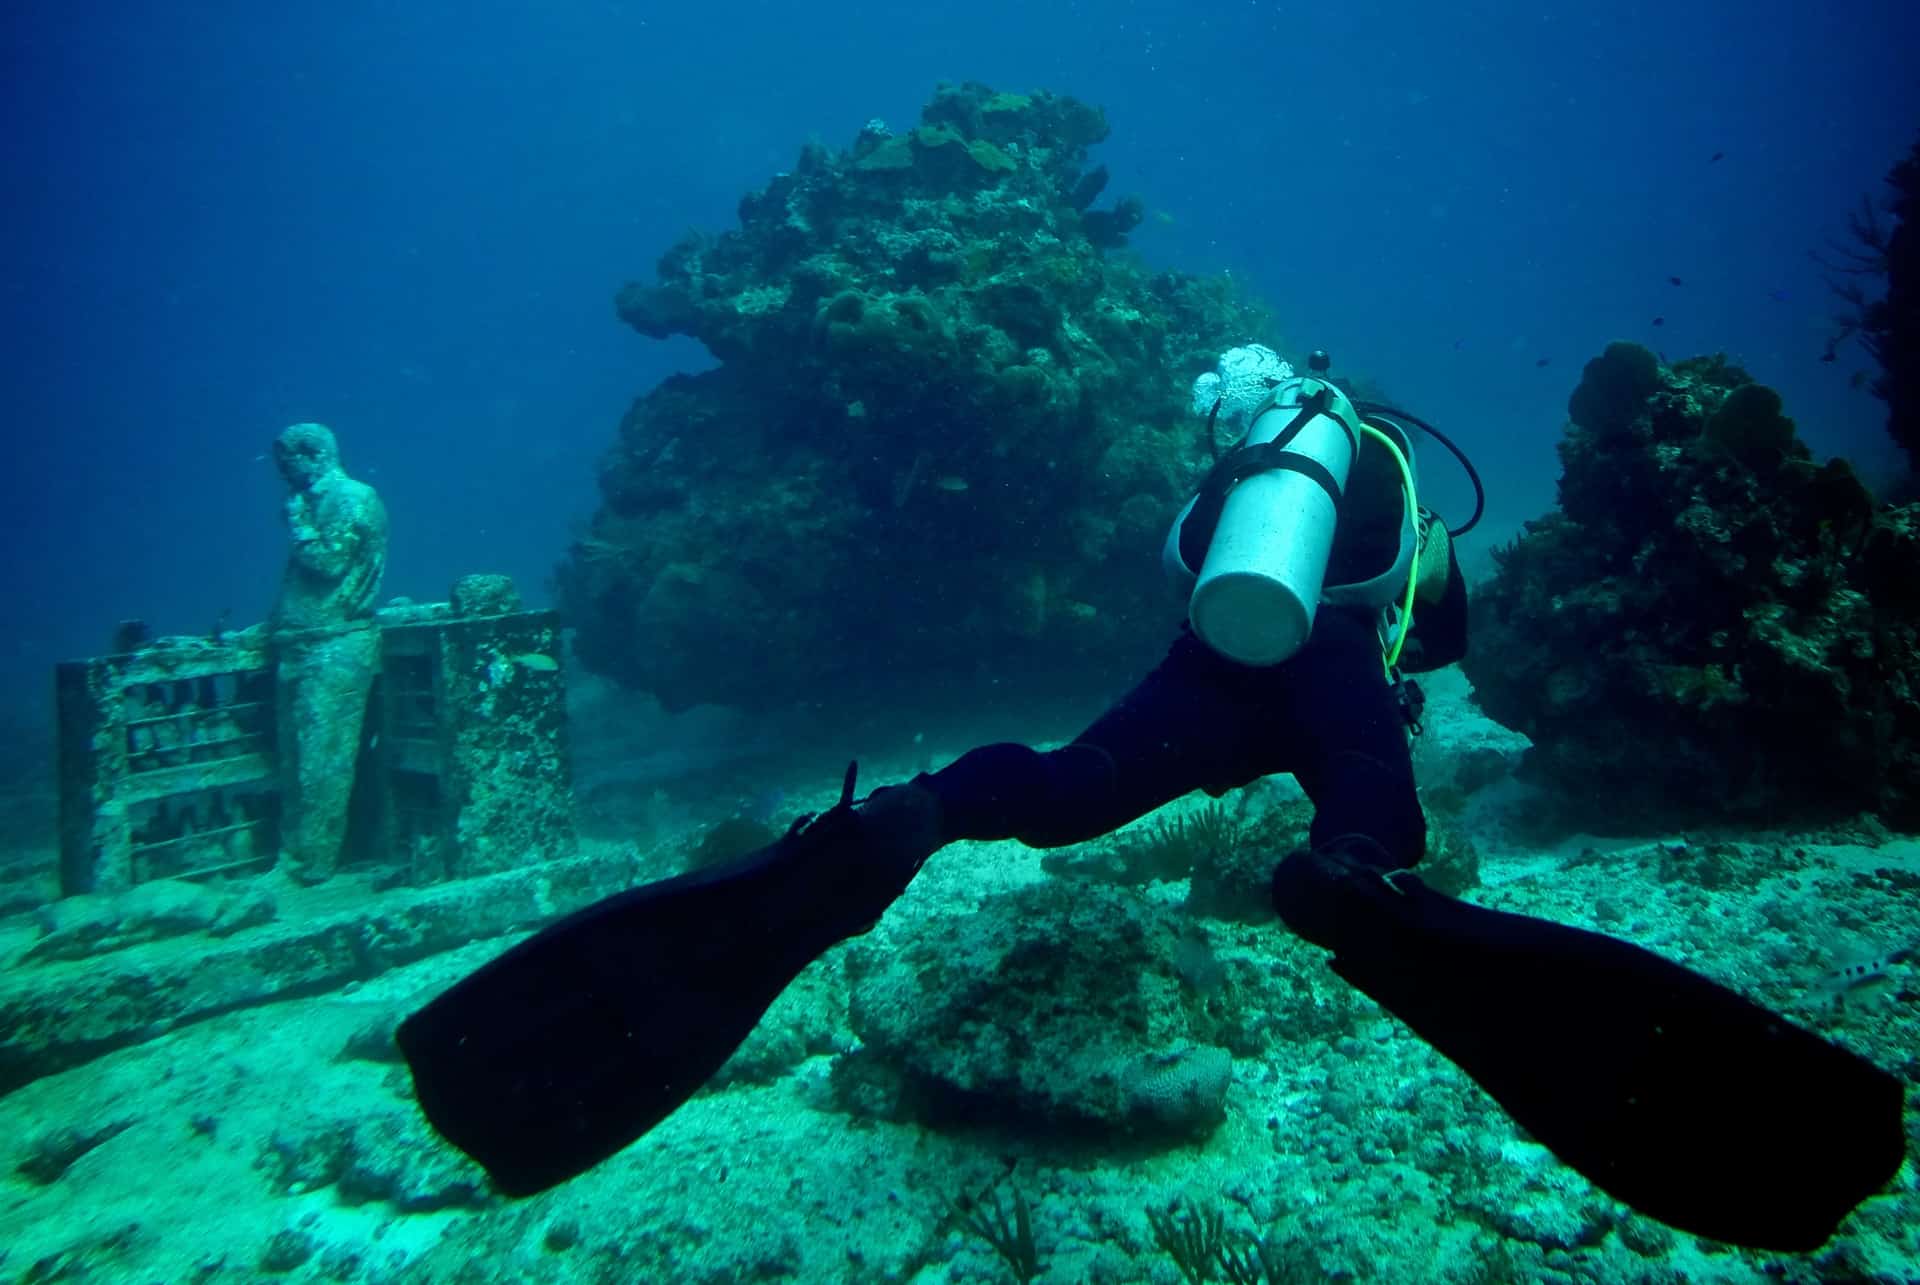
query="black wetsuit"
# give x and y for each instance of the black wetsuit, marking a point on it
(1200, 721)
(1328, 715)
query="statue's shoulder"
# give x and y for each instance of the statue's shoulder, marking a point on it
(363, 501)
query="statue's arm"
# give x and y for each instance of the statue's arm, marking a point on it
(330, 548)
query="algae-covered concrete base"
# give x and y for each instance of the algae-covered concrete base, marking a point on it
(56, 1013)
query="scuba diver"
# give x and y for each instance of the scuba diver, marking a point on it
(1300, 632)
(1315, 584)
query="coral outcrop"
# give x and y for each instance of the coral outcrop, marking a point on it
(1062, 1008)
(947, 429)
(1711, 626)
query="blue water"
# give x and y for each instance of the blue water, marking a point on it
(408, 221)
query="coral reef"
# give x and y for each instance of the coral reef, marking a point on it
(948, 427)
(1711, 626)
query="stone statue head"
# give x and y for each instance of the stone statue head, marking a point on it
(306, 453)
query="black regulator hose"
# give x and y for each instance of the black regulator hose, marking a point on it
(1479, 491)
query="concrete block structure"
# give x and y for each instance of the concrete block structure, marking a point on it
(170, 753)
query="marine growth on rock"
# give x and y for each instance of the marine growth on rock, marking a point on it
(947, 429)
(1711, 625)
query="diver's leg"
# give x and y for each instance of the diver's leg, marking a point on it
(1185, 726)
(1043, 798)
(1346, 743)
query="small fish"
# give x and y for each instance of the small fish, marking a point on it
(1458, 344)
(1544, 361)
(1716, 156)
(1862, 979)
(1780, 296)
(538, 661)
(1859, 379)
(1675, 281)
(950, 483)
(1659, 321)
(1829, 355)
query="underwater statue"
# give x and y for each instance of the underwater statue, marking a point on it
(339, 531)
(327, 648)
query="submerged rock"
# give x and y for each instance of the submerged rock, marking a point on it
(1059, 1008)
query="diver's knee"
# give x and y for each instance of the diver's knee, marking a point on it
(1082, 784)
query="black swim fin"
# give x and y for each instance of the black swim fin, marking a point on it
(576, 1041)
(1669, 1091)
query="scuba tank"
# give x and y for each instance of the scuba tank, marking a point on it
(1250, 551)
(1254, 542)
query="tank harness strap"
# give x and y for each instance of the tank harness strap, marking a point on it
(1243, 462)
(1408, 696)
(1411, 496)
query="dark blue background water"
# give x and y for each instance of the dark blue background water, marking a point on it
(408, 221)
